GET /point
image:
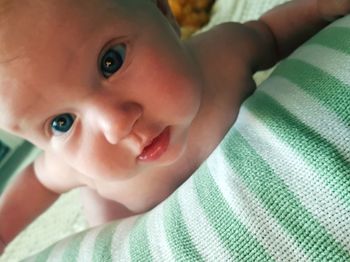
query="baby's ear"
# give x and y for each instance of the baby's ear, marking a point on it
(164, 7)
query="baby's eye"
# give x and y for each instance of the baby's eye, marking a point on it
(62, 123)
(112, 60)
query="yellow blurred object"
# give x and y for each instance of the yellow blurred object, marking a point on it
(191, 14)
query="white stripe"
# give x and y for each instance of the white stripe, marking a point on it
(159, 244)
(310, 112)
(87, 245)
(300, 178)
(328, 60)
(204, 237)
(30, 259)
(250, 212)
(56, 254)
(120, 242)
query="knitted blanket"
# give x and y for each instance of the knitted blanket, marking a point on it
(276, 189)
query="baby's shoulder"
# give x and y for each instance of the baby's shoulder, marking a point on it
(225, 37)
(54, 173)
(230, 46)
(250, 44)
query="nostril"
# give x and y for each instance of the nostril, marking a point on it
(133, 107)
(132, 111)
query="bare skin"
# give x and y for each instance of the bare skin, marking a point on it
(95, 125)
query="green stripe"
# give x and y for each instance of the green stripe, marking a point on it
(103, 244)
(72, 251)
(44, 255)
(331, 92)
(139, 242)
(178, 236)
(279, 201)
(334, 38)
(233, 234)
(331, 165)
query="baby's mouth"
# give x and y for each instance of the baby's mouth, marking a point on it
(157, 147)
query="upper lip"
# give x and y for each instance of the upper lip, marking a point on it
(148, 140)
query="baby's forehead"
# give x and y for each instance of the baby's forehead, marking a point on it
(29, 17)
(27, 24)
(30, 12)
(14, 105)
(55, 6)
(22, 97)
(28, 44)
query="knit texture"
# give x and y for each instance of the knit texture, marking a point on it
(276, 189)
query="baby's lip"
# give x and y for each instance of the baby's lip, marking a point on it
(155, 146)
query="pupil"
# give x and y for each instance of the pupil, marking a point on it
(112, 62)
(61, 122)
(109, 62)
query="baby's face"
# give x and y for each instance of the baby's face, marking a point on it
(95, 82)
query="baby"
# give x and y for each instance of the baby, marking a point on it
(119, 105)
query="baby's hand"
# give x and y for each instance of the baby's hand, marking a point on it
(333, 9)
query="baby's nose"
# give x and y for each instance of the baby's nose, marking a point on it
(116, 122)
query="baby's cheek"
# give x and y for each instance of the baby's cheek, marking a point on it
(186, 100)
(101, 160)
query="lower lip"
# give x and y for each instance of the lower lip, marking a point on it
(156, 149)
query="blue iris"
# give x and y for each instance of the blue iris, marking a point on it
(62, 123)
(112, 60)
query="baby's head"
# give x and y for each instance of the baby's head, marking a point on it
(95, 81)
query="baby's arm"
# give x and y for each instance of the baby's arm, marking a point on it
(287, 26)
(24, 199)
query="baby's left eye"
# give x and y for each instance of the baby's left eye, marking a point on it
(112, 60)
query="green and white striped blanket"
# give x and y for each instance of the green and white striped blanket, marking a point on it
(276, 189)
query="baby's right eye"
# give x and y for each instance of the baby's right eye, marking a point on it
(62, 124)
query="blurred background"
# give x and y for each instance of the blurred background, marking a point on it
(191, 14)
